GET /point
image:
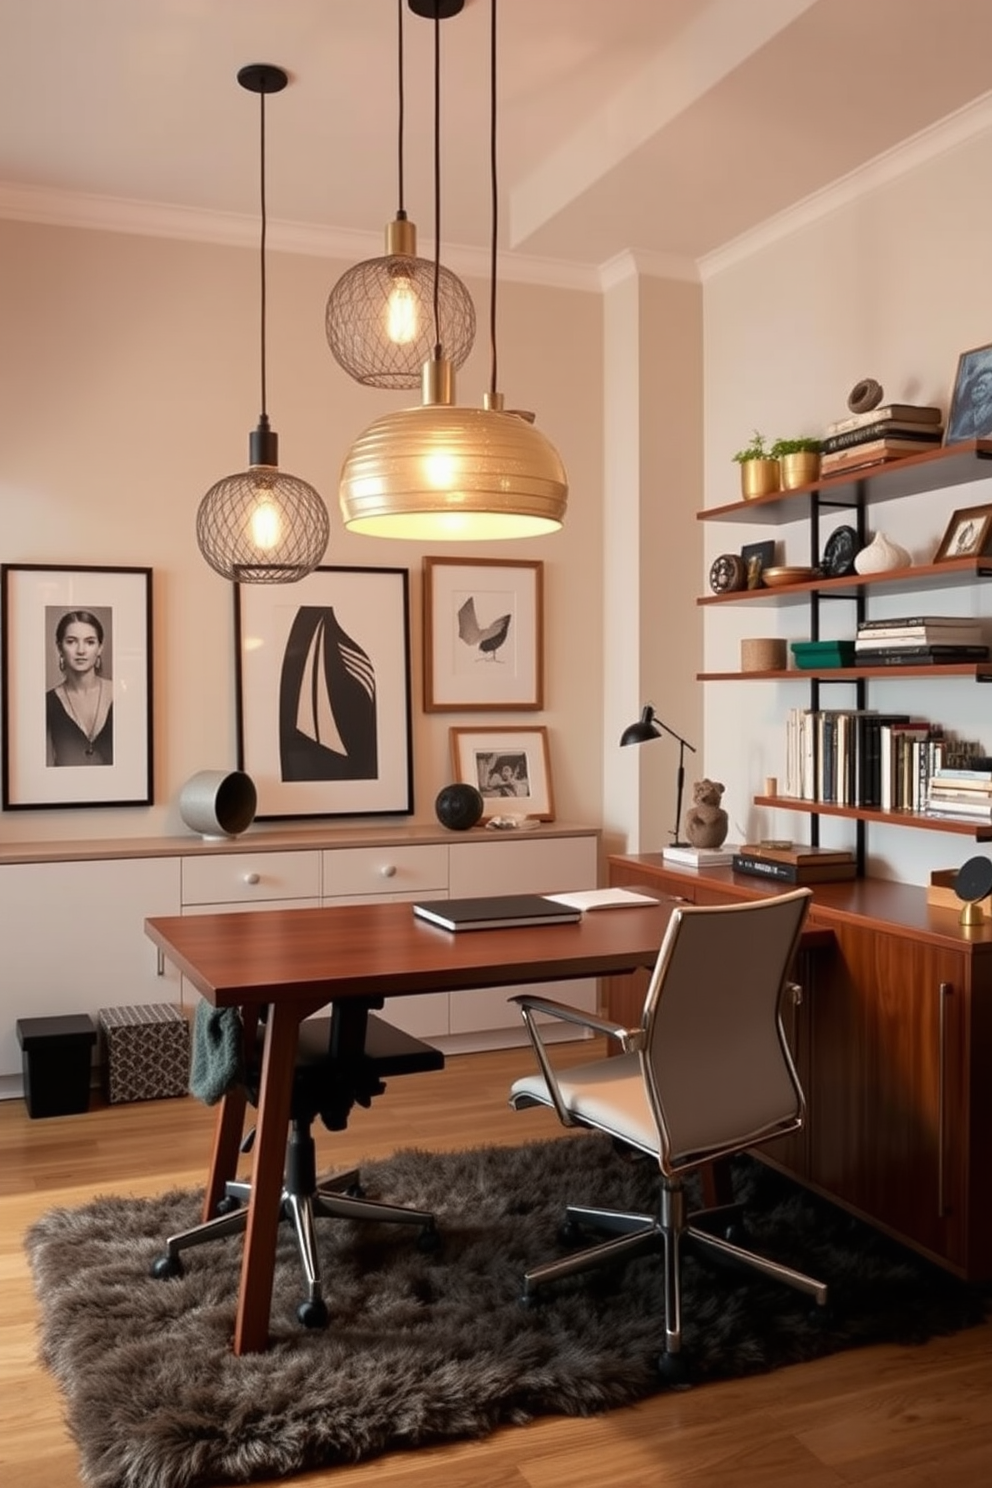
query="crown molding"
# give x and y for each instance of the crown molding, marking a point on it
(956, 129)
(635, 263)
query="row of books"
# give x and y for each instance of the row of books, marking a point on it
(917, 640)
(860, 757)
(794, 863)
(888, 433)
(966, 794)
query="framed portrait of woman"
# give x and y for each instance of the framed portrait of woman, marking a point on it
(323, 693)
(77, 686)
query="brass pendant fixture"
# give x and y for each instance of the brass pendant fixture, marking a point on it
(445, 473)
(262, 525)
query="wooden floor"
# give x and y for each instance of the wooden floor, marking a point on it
(885, 1417)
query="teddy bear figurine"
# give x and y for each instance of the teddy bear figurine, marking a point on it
(705, 822)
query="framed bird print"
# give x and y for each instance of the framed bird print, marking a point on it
(510, 767)
(483, 634)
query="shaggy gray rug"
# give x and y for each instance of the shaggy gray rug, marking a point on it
(424, 1347)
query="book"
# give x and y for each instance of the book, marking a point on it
(914, 622)
(976, 779)
(886, 448)
(799, 852)
(918, 413)
(699, 857)
(794, 873)
(884, 429)
(496, 911)
(963, 810)
(919, 655)
(966, 634)
(592, 899)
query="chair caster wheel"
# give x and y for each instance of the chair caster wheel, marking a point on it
(312, 1313)
(429, 1240)
(228, 1204)
(166, 1265)
(570, 1234)
(674, 1371)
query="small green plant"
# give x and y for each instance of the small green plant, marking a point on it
(795, 447)
(755, 450)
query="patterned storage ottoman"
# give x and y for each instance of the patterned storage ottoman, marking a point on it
(145, 1052)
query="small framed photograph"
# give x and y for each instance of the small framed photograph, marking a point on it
(971, 401)
(483, 634)
(968, 535)
(323, 693)
(509, 766)
(757, 557)
(77, 686)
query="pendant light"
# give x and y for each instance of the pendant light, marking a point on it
(379, 318)
(444, 473)
(262, 526)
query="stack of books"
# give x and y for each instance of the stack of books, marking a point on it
(966, 794)
(919, 640)
(796, 864)
(887, 433)
(699, 857)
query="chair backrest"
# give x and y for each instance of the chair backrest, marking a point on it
(715, 1060)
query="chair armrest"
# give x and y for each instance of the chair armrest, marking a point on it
(628, 1037)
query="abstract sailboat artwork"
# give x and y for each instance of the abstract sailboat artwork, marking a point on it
(327, 702)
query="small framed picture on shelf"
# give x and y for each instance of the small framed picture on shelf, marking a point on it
(757, 557)
(77, 686)
(510, 767)
(483, 642)
(971, 401)
(968, 535)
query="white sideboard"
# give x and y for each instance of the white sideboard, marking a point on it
(72, 913)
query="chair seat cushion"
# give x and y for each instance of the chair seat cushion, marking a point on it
(608, 1094)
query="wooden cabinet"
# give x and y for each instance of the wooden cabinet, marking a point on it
(893, 1042)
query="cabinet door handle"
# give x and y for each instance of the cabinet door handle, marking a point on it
(253, 878)
(943, 996)
(388, 870)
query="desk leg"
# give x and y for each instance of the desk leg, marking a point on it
(251, 1333)
(229, 1129)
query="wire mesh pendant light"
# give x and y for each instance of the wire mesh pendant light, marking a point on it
(262, 525)
(444, 473)
(379, 319)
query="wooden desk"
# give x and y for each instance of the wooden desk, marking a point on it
(298, 960)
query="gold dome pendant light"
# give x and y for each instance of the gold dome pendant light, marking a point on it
(262, 526)
(444, 473)
(379, 321)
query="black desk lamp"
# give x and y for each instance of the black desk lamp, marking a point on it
(647, 727)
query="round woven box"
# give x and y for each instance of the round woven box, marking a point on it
(767, 654)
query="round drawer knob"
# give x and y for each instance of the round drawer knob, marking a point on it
(388, 871)
(253, 878)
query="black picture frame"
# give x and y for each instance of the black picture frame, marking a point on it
(323, 693)
(88, 744)
(761, 554)
(970, 415)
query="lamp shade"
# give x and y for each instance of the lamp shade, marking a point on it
(262, 526)
(445, 473)
(641, 732)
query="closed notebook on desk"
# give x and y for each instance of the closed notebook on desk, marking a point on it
(496, 911)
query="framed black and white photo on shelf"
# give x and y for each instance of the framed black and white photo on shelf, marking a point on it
(483, 634)
(323, 693)
(968, 534)
(970, 415)
(77, 686)
(510, 767)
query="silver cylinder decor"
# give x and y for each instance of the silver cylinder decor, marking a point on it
(218, 803)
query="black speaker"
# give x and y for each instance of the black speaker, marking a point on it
(459, 807)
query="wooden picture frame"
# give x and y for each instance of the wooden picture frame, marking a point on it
(323, 693)
(77, 686)
(511, 767)
(968, 534)
(970, 415)
(483, 634)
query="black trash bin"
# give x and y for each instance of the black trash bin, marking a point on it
(56, 1060)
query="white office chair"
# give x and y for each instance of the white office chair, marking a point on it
(707, 1073)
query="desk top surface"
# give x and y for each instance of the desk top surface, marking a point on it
(315, 956)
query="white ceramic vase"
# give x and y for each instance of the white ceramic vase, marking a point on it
(880, 555)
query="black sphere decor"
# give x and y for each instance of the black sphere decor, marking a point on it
(459, 807)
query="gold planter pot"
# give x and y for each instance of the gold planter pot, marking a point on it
(760, 478)
(801, 469)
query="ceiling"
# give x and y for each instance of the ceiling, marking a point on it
(667, 127)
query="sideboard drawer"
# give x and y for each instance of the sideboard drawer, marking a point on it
(385, 870)
(247, 878)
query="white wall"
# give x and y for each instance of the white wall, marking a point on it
(892, 286)
(129, 383)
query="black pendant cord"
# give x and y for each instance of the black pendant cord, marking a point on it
(401, 108)
(493, 381)
(264, 419)
(437, 182)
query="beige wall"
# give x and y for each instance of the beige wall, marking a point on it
(893, 286)
(129, 382)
